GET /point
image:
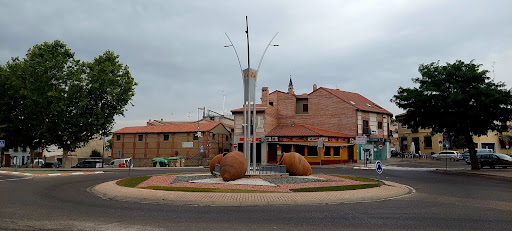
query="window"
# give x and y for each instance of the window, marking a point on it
(305, 107)
(118, 137)
(195, 136)
(427, 141)
(300, 149)
(227, 138)
(327, 151)
(166, 137)
(336, 151)
(366, 128)
(380, 125)
(141, 137)
(213, 136)
(271, 103)
(312, 151)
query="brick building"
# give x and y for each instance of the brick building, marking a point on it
(167, 139)
(320, 125)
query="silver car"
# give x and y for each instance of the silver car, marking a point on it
(451, 155)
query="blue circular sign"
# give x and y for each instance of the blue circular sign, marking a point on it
(378, 167)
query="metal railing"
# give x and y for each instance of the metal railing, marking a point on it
(262, 169)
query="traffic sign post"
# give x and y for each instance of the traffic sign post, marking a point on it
(379, 169)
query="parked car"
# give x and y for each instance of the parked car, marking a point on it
(449, 154)
(465, 155)
(493, 160)
(51, 165)
(88, 164)
(115, 163)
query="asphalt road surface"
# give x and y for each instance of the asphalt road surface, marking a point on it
(441, 202)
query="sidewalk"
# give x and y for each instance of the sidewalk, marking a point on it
(110, 190)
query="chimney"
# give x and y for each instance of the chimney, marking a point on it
(264, 96)
(314, 87)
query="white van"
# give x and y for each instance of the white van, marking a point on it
(115, 163)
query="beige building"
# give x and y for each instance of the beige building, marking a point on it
(424, 142)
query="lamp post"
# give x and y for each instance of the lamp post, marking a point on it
(198, 135)
(249, 81)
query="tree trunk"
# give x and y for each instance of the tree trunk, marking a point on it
(31, 151)
(472, 152)
(65, 161)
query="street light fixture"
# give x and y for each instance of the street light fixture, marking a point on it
(249, 79)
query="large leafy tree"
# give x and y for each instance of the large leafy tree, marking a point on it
(59, 100)
(458, 99)
(90, 102)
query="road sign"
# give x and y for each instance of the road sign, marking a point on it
(360, 139)
(2, 143)
(378, 167)
(235, 145)
(381, 146)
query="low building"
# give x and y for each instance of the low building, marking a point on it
(425, 142)
(143, 143)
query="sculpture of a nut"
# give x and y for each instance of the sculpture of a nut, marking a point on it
(233, 166)
(215, 160)
(296, 164)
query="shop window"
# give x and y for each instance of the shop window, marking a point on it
(300, 149)
(336, 151)
(327, 152)
(141, 137)
(166, 137)
(285, 148)
(312, 151)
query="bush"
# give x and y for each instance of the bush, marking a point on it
(95, 153)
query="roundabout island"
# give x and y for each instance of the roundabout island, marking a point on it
(208, 190)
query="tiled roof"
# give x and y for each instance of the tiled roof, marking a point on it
(303, 130)
(173, 128)
(259, 107)
(357, 100)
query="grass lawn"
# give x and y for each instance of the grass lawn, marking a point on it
(356, 178)
(132, 182)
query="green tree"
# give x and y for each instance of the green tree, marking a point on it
(458, 99)
(22, 116)
(67, 102)
(88, 104)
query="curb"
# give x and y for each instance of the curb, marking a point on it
(51, 174)
(111, 191)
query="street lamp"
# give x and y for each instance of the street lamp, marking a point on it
(198, 135)
(249, 81)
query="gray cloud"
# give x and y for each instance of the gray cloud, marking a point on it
(175, 48)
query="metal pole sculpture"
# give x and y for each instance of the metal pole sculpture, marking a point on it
(249, 81)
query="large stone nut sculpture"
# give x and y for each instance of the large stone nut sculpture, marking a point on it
(215, 160)
(233, 166)
(296, 165)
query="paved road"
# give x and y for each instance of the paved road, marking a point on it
(441, 202)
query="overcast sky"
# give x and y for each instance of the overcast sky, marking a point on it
(175, 49)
